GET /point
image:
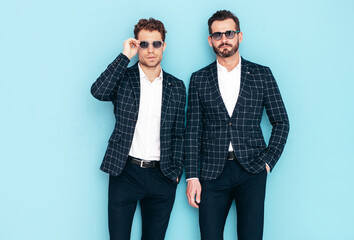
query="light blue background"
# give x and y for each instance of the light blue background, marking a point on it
(53, 133)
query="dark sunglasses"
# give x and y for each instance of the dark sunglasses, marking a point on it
(229, 34)
(155, 44)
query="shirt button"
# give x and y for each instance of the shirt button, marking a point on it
(230, 123)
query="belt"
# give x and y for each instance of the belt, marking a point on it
(231, 156)
(142, 163)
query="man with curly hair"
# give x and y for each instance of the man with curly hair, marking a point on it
(145, 150)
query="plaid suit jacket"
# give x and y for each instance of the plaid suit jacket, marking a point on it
(121, 85)
(210, 129)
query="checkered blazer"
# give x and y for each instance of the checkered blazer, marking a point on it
(210, 129)
(121, 85)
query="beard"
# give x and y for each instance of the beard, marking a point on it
(225, 53)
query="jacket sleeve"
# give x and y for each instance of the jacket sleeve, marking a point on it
(193, 131)
(106, 86)
(178, 130)
(278, 117)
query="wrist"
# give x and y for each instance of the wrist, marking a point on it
(127, 55)
(193, 178)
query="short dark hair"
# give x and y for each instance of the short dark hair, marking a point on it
(150, 25)
(223, 15)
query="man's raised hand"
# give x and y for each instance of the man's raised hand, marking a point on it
(130, 47)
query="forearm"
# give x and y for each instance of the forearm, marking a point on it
(178, 130)
(191, 162)
(105, 87)
(278, 117)
(276, 144)
(193, 132)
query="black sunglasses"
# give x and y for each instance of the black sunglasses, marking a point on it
(229, 34)
(155, 44)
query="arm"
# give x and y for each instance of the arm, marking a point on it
(192, 144)
(178, 130)
(278, 117)
(106, 86)
(193, 132)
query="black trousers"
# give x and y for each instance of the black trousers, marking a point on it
(156, 194)
(248, 192)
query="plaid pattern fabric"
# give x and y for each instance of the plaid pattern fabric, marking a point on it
(210, 129)
(121, 85)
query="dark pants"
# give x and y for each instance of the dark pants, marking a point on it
(156, 194)
(248, 191)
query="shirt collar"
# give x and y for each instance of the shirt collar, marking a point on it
(143, 76)
(223, 69)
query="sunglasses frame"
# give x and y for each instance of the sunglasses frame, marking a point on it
(224, 33)
(153, 44)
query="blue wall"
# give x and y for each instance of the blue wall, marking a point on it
(53, 133)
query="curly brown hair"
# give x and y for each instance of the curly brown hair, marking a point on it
(150, 25)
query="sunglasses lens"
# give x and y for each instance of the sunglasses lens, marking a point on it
(230, 34)
(144, 45)
(217, 35)
(157, 44)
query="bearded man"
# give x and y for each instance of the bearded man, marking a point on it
(226, 157)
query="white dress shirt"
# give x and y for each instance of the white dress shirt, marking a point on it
(229, 85)
(146, 139)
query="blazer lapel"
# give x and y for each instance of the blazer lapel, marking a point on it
(135, 82)
(166, 94)
(244, 86)
(214, 85)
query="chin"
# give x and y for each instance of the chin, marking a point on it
(149, 64)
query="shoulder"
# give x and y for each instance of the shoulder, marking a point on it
(205, 70)
(255, 67)
(199, 77)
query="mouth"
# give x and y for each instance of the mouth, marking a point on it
(225, 45)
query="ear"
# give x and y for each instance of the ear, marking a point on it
(210, 41)
(240, 37)
(164, 46)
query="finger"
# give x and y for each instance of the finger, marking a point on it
(191, 200)
(188, 196)
(132, 44)
(136, 42)
(198, 196)
(194, 204)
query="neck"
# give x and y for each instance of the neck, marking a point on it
(229, 62)
(151, 72)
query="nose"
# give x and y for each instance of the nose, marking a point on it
(150, 48)
(224, 38)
